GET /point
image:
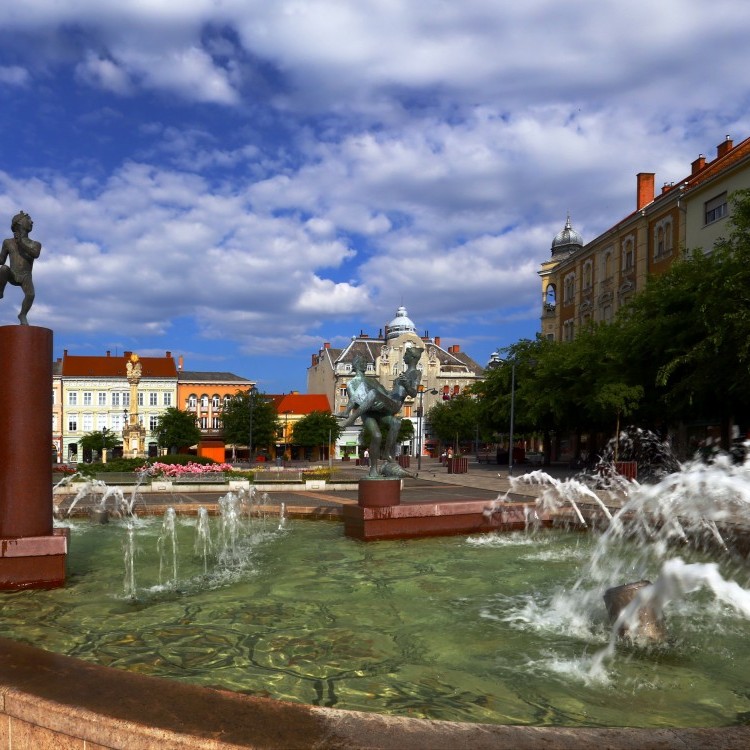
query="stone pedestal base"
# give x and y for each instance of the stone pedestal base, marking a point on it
(379, 493)
(36, 562)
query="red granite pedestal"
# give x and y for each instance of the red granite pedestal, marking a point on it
(443, 518)
(379, 493)
(32, 555)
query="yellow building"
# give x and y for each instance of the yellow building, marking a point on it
(585, 283)
(448, 372)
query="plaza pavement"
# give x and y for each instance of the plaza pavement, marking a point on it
(433, 484)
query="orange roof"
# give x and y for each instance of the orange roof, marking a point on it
(114, 367)
(301, 403)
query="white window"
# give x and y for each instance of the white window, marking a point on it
(116, 422)
(628, 255)
(716, 208)
(204, 402)
(192, 401)
(216, 423)
(72, 423)
(226, 400)
(87, 398)
(568, 330)
(140, 398)
(167, 399)
(115, 398)
(215, 401)
(54, 422)
(663, 238)
(102, 398)
(569, 288)
(343, 392)
(88, 422)
(204, 423)
(126, 398)
(153, 422)
(101, 421)
(72, 398)
(153, 398)
(588, 274)
(54, 396)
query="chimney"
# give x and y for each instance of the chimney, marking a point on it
(169, 355)
(698, 164)
(65, 352)
(108, 353)
(645, 189)
(724, 148)
(437, 340)
(180, 362)
(126, 354)
(327, 345)
(314, 360)
(456, 348)
(666, 187)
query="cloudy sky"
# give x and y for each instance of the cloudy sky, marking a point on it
(239, 181)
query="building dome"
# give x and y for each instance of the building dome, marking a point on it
(567, 240)
(401, 324)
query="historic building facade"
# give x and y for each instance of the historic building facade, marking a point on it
(448, 372)
(95, 394)
(588, 282)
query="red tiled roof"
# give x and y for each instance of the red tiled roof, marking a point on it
(301, 403)
(114, 367)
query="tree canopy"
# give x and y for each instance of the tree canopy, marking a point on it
(244, 414)
(176, 430)
(316, 429)
(95, 441)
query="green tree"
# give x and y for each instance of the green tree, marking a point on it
(456, 419)
(317, 429)
(100, 439)
(176, 430)
(244, 414)
(405, 431)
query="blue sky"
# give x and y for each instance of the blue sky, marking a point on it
(240, 181)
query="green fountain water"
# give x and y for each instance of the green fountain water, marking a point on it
(491, 629)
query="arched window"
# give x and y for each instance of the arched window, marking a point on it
(588, 274)
(192, 401)
(550, 298)
(204, 401)
(569, 288)
(628, 255)
(215, 401)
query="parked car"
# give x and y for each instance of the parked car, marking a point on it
(535, 458)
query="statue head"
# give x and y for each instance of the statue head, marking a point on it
(21, 221)
(412, 355)
(359, 363)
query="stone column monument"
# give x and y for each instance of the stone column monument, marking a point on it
(134, 433)
(32, 552)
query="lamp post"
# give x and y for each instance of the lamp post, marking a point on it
(421, 392)
(512, 414)
(250, 427)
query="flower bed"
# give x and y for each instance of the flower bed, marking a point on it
(178, 471)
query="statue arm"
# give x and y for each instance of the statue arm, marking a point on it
(4, 252)
(29, 248)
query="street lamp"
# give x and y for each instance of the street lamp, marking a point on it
(512, 414)
(250, 427)
(420, 410)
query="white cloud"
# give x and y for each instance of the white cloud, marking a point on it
(103, 73)
(14, 75)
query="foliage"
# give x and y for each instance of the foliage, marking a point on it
(182, 459)
(315, 429)
(114, 465)
(405, 431)
(456, 419)
(93, 441)
(178, 470)
(176, 430)
(243, 413)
